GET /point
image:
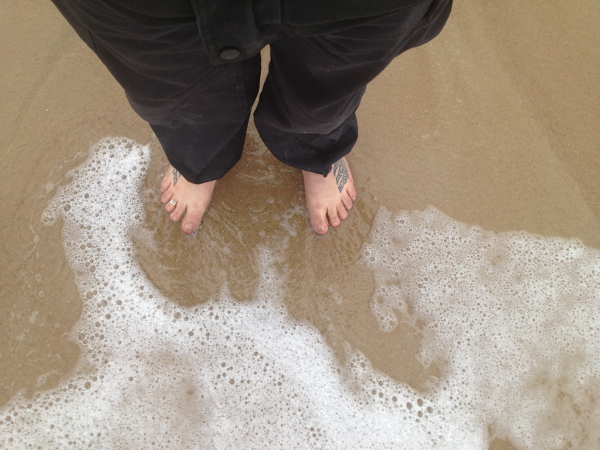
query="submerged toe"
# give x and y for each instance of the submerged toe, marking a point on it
(319, 224)
(169, 207)
(334, 220)
(192, 221)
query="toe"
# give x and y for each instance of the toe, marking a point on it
(319, 224)
(169, 207)
(176, 215)
(165, 183)
(351, 192)
(192, 220)
(347, 202)
(342, 213)
(334, 220)
(166, 196)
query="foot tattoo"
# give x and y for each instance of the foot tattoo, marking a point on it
(329, 198)
(340, 171)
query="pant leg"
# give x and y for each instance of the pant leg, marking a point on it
(199, 112)
(306, 113)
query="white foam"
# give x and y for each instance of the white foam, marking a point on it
(513, 317)
(233, 374)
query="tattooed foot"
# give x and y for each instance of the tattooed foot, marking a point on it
(185, 201)
(329, 198)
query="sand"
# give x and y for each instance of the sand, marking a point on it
(496, 123)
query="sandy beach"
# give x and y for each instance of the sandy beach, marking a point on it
(495, 124)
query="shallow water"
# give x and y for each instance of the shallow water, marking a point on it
(499, 129)
(511, 320)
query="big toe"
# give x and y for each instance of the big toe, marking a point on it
(319, 224)
(192, 221)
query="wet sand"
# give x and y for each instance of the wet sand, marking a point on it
(496, 123)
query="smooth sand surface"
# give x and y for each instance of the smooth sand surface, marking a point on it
(496, 123)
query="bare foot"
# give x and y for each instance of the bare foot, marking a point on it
(185, 200)
(329, 198)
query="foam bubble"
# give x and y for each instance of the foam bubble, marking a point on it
(230, 374)
(513, 317)
(222, 375)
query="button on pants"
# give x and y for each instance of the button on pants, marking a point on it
(199, 111)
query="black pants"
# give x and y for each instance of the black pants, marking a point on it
(199, 112)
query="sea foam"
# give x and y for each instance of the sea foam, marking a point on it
(512, 319)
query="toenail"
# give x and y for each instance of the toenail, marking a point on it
(353, 199)
(188, 227)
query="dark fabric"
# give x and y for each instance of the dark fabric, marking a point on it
(200, 111)
(246, 26)
(306, 114)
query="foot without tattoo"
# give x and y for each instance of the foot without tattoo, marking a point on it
(185, 201)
